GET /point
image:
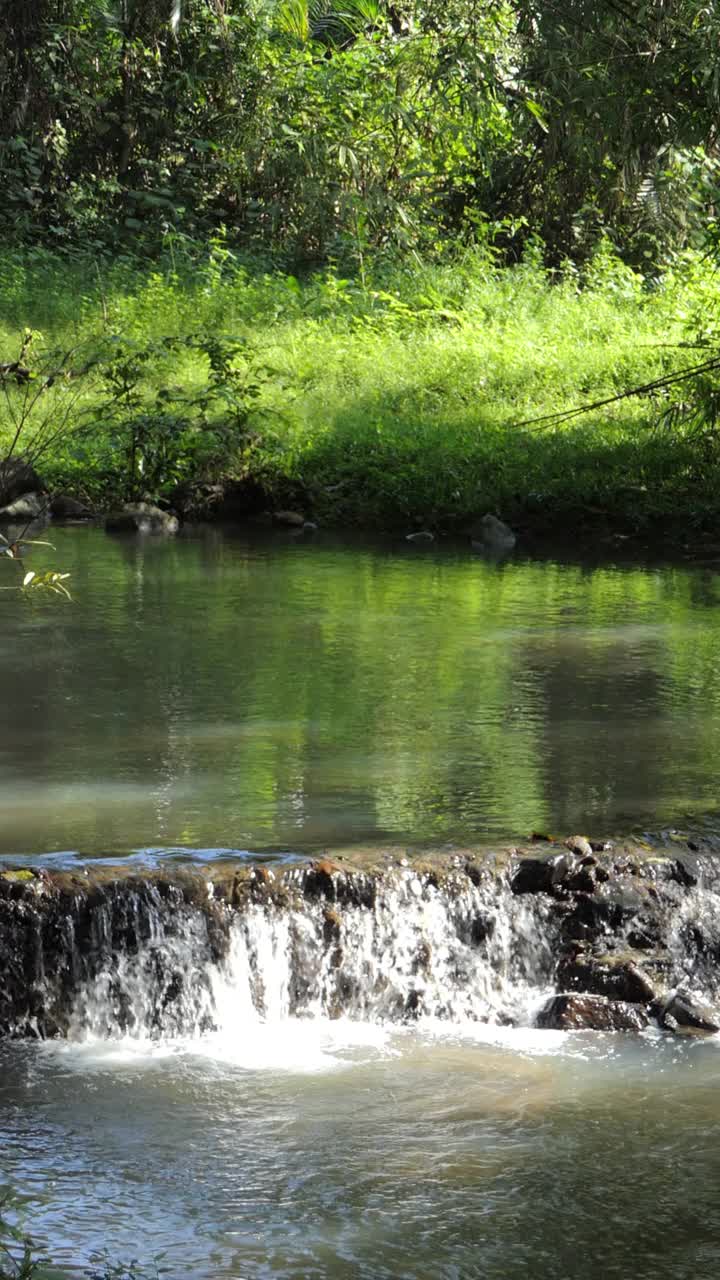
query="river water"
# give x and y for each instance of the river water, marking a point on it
(334, 1151)
(293, 694)
(216, 692)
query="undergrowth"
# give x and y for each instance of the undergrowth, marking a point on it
(398, 399)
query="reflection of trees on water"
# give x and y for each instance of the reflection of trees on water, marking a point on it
(208, 691)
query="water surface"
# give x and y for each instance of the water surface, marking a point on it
(284, 694)
(332, 1150)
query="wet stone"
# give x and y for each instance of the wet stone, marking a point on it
(591, 1013)
(685, 1016)
(610, 976)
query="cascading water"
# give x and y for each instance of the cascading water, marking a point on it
(314, 1070)
(415, 950)
(184, 953)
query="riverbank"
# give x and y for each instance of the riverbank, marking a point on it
(413, 400)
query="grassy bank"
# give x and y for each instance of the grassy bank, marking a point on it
(394, 399)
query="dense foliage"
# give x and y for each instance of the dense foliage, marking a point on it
(322, 129)
(350, 247)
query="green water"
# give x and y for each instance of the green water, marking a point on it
(219, 692)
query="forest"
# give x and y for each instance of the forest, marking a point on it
(404, 262)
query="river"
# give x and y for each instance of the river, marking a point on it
(280, 696)
(293, 694)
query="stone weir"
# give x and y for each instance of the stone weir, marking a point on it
(564, 936)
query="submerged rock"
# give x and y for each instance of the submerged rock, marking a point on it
(142, 517)
(591, 1013)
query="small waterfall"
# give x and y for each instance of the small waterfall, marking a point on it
(181, 953)
(463, 951)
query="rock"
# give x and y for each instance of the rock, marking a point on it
(423, 535)
(141, 517)
(684, 1016)
(492, 536)
(591, 1013)
(16, 478)
(579, 845)
(63, 507)
(28, 506)
(550, 875)
(533, 875)
(288, 519)
(616, 977)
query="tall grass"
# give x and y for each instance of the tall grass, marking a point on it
(400, 399)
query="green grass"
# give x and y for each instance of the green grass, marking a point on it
(402, 398)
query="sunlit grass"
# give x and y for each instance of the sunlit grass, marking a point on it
(407, 393)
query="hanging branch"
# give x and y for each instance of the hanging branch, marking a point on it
(647, 388)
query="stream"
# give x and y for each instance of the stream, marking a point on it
(237, 1116)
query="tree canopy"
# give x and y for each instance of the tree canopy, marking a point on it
(330, 128)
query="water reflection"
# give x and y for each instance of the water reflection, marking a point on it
(213, 691)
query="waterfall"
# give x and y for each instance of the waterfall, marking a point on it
(179, 953)
(462, 951)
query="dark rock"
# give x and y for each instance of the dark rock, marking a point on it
(581, 880)
(591, 1013)
(288, 519)
(684, 1016)
(141, 517)
(28, 506)
(492, 536)
(613, 904)
(326, 880)
(231, 501)
(533, 875)
(16, 478)
(556, 875)
(63, 507)
(671, 871)
(613, 976)
(482, 928)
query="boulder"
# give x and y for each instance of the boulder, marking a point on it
(616, 977)
(17, 477)
(533, 875)
(552, 875)
(591, 1013)
(288, 519)
(27, 506)
(685, 1016)
(492, 536)
(141, 517)
(63, 507)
